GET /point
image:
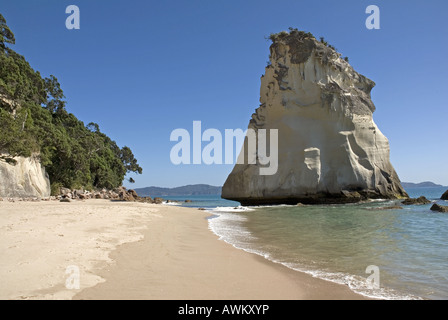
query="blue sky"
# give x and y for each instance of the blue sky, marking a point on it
(141, 69)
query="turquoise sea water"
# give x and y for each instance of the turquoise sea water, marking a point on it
(338, 242)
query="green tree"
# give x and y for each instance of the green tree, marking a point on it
(15, 136)
(129, 161)
(55, 95)
(6, 35)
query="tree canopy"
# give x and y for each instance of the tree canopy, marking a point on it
(34, 121)
(6, 34)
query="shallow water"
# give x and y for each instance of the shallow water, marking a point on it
(339, 242)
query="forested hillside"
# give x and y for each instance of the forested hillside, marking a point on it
(34, 120)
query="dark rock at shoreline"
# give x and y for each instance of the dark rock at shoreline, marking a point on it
(321, 198)
(158, 200)
(133, 193)
(419, 201)
(118, 194)
(64, 191)
(439, 208)
(445, 196)
(146, 200)
(188, 201)
(387, 208)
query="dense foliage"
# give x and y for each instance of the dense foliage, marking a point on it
(34, 120)
(300, 34)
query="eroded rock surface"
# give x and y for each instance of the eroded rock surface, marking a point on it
(329, 148)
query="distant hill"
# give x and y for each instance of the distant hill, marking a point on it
(426, 184)
(195, 189)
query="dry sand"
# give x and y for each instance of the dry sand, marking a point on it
(135, 251)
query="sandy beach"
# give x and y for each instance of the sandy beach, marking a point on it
(135, 251)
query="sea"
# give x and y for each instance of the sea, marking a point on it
(385, 254)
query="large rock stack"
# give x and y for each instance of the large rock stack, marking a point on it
(329, 148)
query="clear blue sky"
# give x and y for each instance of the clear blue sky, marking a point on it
(143, 68)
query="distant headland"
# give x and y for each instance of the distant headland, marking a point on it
(195, 189)
(425, 184)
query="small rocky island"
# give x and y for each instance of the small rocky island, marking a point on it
(329, 148)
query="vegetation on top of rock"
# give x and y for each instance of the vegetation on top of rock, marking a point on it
(34, 121)
(297, 34)
(6, 35)
(292, 32)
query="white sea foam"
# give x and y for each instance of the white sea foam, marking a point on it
(231, 209)
(377, 200)
(172, 203)
(227, 225)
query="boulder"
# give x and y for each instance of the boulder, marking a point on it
(123, 195)
(386, 208)
(77, 193)
(329, 148)
(418, 201)
(65, 200)
(146, 199)
(445, 196)
(188, 201)
(64, 191)
(158, 200)
(133, 193)
(114, 195)
(119, 189)
(439, 208)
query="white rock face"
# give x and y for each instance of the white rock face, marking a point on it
(26, 179)
(330, 149)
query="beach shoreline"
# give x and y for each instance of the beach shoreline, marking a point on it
(137, 251)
